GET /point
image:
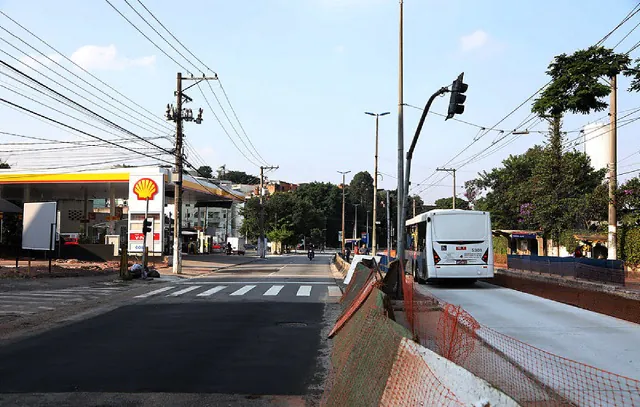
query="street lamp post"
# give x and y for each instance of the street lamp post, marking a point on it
(355, 225)
(343, 191)
(375, 184)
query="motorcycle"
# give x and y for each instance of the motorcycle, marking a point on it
(311, 255)
(229, 251)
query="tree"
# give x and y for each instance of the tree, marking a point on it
(361, 189)
(279, 236)
(629, 202)
(205, 171)
(447, 203)
(240, 177)
(575, 87)
(4, 165)
(472, 192)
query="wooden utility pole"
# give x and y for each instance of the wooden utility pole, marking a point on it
(400, 236)
(261, 245)
(453, 172)
(344, 173)
(613, 184)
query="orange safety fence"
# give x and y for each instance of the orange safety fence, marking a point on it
(531, 376)
(374, 364)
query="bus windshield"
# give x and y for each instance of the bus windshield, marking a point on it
(460, 227)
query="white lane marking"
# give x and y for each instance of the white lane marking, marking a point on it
(158, 291)
(274, 290)
(258, 282)
(244, 290)
(184, 290)
(46, 308)
(40, 294)
(211, 291)
(304, 291)
(334, 291)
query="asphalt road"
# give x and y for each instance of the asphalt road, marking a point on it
(595, 339)
(249, 335)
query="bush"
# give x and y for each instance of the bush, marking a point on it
(631, 246)
(500, 245)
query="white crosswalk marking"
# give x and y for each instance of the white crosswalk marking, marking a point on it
(304, 291)
(158, 291)
(274, 290)
(244, 290)
(184, 290)
(212, 291)
(334, 291)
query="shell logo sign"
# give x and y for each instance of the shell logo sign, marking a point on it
(145, 188)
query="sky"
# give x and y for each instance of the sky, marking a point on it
(300, 74)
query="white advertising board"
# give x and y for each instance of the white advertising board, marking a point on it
(39, 221)
(141, 188)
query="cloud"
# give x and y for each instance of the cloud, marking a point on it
(95, 57)
(475, 40)
(31, 60)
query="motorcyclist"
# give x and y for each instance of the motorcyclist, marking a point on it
(229, 248)
(311, 253)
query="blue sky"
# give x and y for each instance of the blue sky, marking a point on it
(301, 74)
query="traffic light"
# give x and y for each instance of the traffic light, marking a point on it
(458, 88)
(146, 226)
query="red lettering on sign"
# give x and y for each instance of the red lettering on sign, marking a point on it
(461, 247)
(140, 236)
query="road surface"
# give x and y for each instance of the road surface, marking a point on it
(253, 334)
(595, 339)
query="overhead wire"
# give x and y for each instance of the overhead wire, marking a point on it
(152, 116)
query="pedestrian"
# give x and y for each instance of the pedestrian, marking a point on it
(347, 254)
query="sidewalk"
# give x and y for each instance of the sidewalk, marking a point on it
(197, 265)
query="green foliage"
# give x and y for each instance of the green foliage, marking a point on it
(361, 188)
(568, 240)
(500, 245)
(631, 247)
(634, 73)
(205, 171)
(447, 203)
(239, 177)
(4, 165)
(472, 192)
(575, 81)
(280, 235)
(628, 199)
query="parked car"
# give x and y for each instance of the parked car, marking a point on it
(250, 246)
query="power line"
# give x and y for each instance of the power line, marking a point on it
(257, 154)
(624, 20)
(145, 36)
(74, 128)
(160, 35)
(151, 118)
(224, 129)
(85, 108)
(66, 78)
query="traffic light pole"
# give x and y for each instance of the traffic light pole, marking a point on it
(145, 255)
(405, 202)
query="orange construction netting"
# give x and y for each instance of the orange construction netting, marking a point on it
(531, 376)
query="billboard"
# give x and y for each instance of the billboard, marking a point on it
(143, 188)
(39, 222)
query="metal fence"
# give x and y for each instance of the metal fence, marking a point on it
(607, 271)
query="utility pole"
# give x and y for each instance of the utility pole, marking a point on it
(343, 192)
(388, 225)
(178, 114)
(375, 184)
(401, 192)
(452, 171)
(613, 182)
(261, 246)
(355, 225)
(368, 241)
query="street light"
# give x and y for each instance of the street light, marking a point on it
(375, 182)
(343, 190)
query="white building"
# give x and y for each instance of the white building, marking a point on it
(596, 138)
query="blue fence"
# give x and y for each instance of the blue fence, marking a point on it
(607, 271)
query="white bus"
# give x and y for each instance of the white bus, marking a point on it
(450, 244)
